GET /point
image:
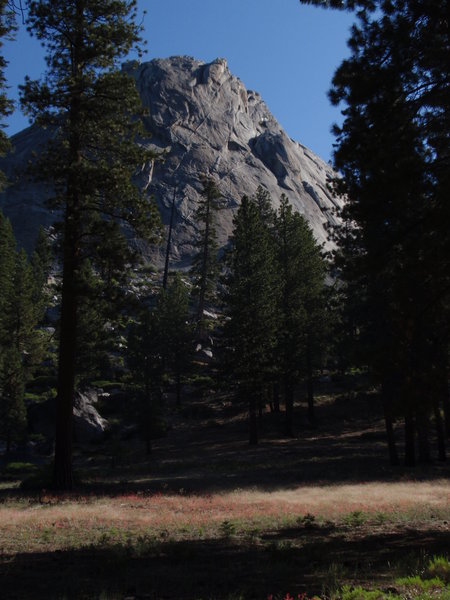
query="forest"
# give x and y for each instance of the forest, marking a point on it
(275, 411)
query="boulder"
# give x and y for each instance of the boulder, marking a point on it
(89, 425)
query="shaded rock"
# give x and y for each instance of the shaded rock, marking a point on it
(89, 425)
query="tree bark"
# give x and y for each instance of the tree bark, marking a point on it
(63, 472)
(410, 452)
(289, 403)
(440, 434)
(253, 421)
(422, 426)
(276, 397)
(178, 388)
(310, 386)
(169, 240)
(386, 394)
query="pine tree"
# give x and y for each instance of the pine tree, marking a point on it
(175, 331)
(392, 151)
(93, 110)
(12, 389)
(251, 299)
(205, 264)
(7, 29)
(145, 361)
(302, 273)
(7, 268)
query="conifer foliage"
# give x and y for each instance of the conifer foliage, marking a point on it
(22, 344)
(93, 110)
(392, 150)
(252, 307)
(205, 268)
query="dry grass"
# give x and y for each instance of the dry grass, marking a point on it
(61, 523)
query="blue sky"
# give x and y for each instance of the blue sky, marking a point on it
(286, 51)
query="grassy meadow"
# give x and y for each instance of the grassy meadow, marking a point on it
(207, 517)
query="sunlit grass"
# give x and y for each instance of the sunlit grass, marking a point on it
(68, 522)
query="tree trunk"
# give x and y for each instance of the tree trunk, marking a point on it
(169, 240)
(276, 397)
(386, 394)
(253, 422)
(440, 434)
(178, 388)
(63, 475)
(204, 270)
(410, 452)
(446, 402)
(289, 403)
(422, 426)
(148, 415)
(310, 386)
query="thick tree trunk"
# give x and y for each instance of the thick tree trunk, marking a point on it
(410, 451)
(386, 393)
(253, 421)
(63, 475)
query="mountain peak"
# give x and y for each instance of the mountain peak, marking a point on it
(207, 122)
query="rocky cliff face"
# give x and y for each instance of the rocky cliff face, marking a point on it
(208, 123)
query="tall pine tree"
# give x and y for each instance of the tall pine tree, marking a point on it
(205, 268)
(302, 275)
(392, 150)
(93, 110)
(251, 298)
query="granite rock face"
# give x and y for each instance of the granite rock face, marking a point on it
(208, 123)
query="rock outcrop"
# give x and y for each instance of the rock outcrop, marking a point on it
(88, 424)
(208, 123)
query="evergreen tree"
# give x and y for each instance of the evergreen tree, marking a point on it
(302, 273)
(392, 150)
(205, 268)
(145, 362)
(7, 28)
(7, 269)
(41, 263)
(251, 298)
(12, 389)
(263, 201)
(175, 331)
(94, 112)
(21, 343)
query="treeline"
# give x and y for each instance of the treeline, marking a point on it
(385, 308)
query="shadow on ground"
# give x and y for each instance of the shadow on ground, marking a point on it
(312, 560)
